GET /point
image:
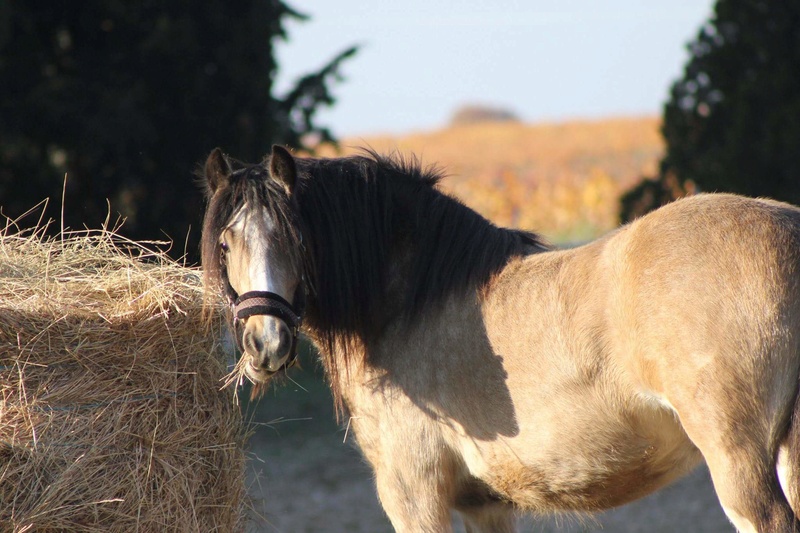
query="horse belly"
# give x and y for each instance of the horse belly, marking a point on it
(569, 464)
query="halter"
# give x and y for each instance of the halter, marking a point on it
(267, 303)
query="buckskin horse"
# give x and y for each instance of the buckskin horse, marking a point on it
(485, 373)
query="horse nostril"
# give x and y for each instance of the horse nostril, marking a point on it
(285, 342)
(253, 344)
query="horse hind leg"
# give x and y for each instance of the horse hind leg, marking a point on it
(743, 467)
(787, 464)
(734, 430)
(750, 494)
(788, 475)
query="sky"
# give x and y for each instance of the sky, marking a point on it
(544, 60)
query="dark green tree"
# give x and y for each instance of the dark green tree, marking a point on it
(732, 122)
(127, 98)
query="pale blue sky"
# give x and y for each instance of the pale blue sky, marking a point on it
(546, 60)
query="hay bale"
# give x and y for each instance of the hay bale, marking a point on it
(111, 414)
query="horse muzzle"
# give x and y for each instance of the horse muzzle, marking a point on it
(270, 334)
(268, 341)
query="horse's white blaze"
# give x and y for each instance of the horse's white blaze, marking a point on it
(252, 253)
(250, 269)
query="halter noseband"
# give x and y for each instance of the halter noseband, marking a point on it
(267, 303)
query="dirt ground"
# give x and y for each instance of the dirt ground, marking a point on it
(306, 477)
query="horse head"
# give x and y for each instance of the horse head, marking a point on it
(251, 250)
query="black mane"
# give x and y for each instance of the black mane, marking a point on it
(380, 241)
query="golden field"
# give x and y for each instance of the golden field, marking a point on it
(562, 180)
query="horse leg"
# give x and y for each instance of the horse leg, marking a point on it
(742, 468)
(412, 502)
(413, 475)
(788, 461)
(482, 509)
(490, 519)
(750, 495)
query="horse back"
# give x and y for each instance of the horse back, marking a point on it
(706, 284)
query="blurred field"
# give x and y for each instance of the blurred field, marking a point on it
(562, 180)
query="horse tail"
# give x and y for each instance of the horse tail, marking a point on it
(787, 463)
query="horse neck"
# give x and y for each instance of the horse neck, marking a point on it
(381, 256)
(412, 357)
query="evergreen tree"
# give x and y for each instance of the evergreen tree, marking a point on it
(127, 98)
(733, 120)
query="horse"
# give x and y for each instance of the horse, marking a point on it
(487, 373)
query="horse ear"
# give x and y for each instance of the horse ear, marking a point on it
(217, 171)
(282, 167)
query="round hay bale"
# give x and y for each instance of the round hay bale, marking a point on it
(111, 413)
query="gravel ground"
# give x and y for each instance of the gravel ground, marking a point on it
(304, 477)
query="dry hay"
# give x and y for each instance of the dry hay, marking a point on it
(111, 414)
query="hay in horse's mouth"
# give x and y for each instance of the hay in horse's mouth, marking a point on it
(259, 379)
